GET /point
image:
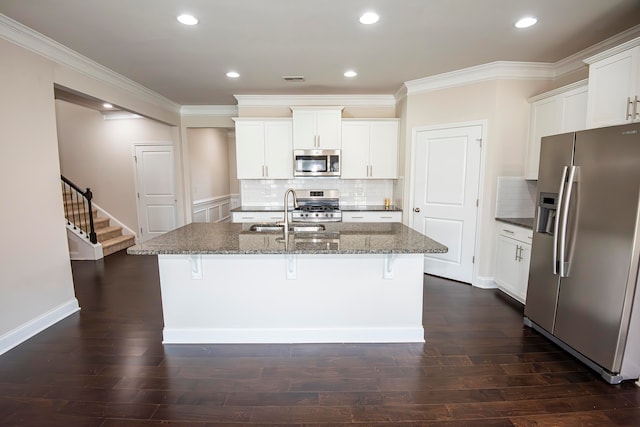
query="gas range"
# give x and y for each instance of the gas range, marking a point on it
(317, 206)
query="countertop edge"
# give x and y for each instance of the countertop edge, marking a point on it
(519, 222)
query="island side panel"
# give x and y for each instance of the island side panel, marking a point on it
(292, 298)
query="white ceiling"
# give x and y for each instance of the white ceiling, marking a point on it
(266, 39)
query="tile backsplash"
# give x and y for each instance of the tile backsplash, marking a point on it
(362, 192)
(515, 197)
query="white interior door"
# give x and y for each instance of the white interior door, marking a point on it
(445, 200)
(155, 183)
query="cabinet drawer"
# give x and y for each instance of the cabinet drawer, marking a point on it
(513, 231)
(358, 216)
(257, 216)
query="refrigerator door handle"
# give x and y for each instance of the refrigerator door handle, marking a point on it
(565, 219)
(556, 226)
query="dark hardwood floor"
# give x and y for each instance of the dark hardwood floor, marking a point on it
(106, 366)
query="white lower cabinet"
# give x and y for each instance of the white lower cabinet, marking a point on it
(513, 257)
(371, 216)
(257, 216)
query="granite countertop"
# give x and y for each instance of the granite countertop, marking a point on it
(520, 222)
(338, 238)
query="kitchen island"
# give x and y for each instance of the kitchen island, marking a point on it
(351, 282)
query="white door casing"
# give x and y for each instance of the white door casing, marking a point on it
(155, 187)
(446, 177)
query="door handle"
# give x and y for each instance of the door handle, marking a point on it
(556, 226)
(629, 103)
(565, 221)
(635, 108)
(416, 210)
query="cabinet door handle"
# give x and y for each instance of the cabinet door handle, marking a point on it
(635, 107)
(266, 171)
(507, 231)
(629, 103)
(519, 250)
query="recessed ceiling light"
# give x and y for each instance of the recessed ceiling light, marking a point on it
(369, 18)
(107, 105)
(526, 22)
(350, 73)
(233, 74)
(187, 19)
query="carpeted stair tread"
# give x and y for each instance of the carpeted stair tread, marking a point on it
(117, 244)
(106, 233)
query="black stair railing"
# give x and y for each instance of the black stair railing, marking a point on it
(78, 210)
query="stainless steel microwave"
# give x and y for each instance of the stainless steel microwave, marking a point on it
(316, 162)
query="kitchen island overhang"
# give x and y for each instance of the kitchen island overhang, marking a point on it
(221, 283)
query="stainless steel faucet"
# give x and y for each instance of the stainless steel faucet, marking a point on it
(286, 211)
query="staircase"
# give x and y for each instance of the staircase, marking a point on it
(109, 236)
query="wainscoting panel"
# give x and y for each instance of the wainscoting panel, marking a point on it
(215, 209)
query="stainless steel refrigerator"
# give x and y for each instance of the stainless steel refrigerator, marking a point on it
(582, 291)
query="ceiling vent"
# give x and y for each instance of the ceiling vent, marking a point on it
(293, 79)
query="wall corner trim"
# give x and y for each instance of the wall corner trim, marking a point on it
(484, 283)
(27, 330)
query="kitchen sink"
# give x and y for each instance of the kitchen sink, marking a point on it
(296, 228)
(266, 227)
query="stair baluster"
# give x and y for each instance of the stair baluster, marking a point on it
(81, 209)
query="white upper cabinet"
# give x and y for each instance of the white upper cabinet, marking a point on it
(317, 127)
(264, 148)
(558, 111)
(614, 86)
(369, 149)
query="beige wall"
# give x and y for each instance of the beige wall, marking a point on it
(98, 154)
(234, 183)
(35, 271)
(209, 160)
(503, 104)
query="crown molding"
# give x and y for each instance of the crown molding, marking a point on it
(558, 91)
(599, 50)
(315, 100)
(613, 51)
(209, 110)
(492, 71)
(401, 93)
(23, 36)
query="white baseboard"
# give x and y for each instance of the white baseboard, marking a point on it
(291, 335)
(484, 283)
(27, 330)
